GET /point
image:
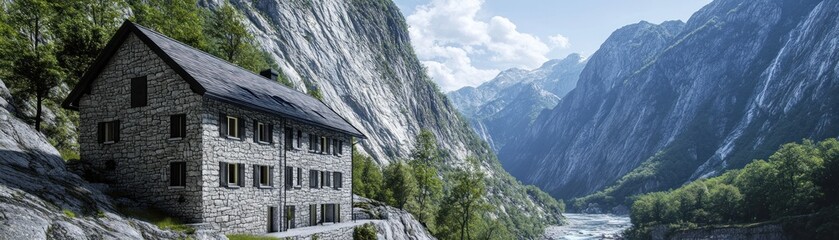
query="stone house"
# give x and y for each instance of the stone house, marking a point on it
(182, 131)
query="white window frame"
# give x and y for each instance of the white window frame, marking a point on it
(233, 174)
(233, 127)
(264, 174)
(261, 132)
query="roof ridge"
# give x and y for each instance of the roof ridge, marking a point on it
(211, 55)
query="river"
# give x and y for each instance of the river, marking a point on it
(589, 226)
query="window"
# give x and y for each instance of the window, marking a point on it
(231, 174)
(289, 217)
(139, 92)
(108, 132)
(330, 213)
(177, 126)
(262, 132)
(338, 180)
(288, 135)
(313, 214)
(313, 179)
(263, 176)
(299, 139)
(232, 127)
(177, 174)
(313, 142)
(324, 145)
(327, 177)
(288, 176)
(336, 145)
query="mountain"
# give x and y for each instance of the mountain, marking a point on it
(358, 55)
(500, 108)
(664, 104)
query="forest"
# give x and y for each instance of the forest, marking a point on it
(796, 187)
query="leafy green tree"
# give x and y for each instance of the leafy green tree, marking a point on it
(425, 156)
(463, 205)
(400, 185)
(180, 20)
(828, 176)
(796, 190)
(35, 71)
(367, 177)
(231, 40)
(84, 30)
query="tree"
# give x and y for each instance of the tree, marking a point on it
(179, 20)
(828, 175)
(795, 188)
(367, 177)
(84, 30)
(400, 186)
(425, 156)
(463, 203)
(34, 71)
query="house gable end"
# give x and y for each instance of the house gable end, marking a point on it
(119, 38)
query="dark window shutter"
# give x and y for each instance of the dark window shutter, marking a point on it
(299, 138)
(270, 133)
(287, 176)
(271, 176)
(241, 168)
(288, 138)
(336, 180)
(139, 92)
(173, 174)
(173, 126)
(337, 213)
(256, 175)
(222, 125)
(222, 175)
(255, 131)
(242, 128)
(116, 130)
(299, 176)
(101, 132)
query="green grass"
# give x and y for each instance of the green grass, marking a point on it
(158, 218)
(69, 214)
(249, 237)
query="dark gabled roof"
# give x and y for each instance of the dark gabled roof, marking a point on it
(217, 79)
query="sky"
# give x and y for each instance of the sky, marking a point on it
(468, 42)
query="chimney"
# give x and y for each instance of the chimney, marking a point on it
(269, 74)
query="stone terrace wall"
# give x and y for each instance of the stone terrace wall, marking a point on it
(142, 155)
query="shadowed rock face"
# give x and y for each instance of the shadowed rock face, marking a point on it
(735, 81)
(500, 109)
(36, 189)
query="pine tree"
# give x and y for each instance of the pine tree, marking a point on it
(425, 156)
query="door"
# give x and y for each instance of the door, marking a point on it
(272, 219)
(289, 217)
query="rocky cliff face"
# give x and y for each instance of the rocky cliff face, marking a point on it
(358, 55)
(40, 199)
(689, 100)
(499, 109)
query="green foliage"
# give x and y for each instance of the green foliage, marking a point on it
(158, 218)
(231, 41)
(364, 232)
(367, 177)
(179, 20)
(314, 91)
(400, 187)
(69, 213)
(425, 155)
(463, 206)
(790, 183)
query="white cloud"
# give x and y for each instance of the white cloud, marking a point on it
(559, 41)
(448, 35)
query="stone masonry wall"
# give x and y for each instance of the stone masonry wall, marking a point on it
(239, 209)
(142, 155)
(303, 196)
